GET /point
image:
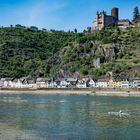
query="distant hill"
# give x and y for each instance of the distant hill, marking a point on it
(63, 54)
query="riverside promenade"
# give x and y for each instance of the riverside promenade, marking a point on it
(86, 91)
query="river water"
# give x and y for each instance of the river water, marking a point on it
(68, 117)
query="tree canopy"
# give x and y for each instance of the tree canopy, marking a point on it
(136, 13)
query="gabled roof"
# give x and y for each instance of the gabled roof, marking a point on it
(124, 20)
(62, 79)
(134, 79)
(42, 79)
(31, 81)
(71, 79)
(6, 79)
(91, 80)
(118, 78)
(15, 80)
(102, 80)
(23, 78)
(57, 80)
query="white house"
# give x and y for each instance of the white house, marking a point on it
(1, 83)
(42, 82)
(16, 83)
(51, 84)
(63, 83)
(125, 84)
(71, 82)
(102, 83)
(57, 83)
(91, 83)
(31, 83)
(6, 82)
(81, 84)
(19, 83)
(24, 83)
(135, 83)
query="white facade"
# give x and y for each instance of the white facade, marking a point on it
(81, 84)
(7, 83)
(102, 84)
(63, 84)
(1, 83)
(92, 83)
(125, 84)
(51, 84)
(137, 82)
(32, 85)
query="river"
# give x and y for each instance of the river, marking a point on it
(68, 117)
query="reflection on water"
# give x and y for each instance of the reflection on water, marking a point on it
(59, 117)
(12, 99)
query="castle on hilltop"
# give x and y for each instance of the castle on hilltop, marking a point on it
(104, 20)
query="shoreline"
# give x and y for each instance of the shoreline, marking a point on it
(94, 92)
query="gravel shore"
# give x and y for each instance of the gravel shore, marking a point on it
(76, 92)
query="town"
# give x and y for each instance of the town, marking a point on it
(47, 83)
(102, 20)
(68, 71)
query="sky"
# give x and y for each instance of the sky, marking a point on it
(60, 14)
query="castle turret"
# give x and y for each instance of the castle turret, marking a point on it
(97, 13)
(103, 14)
(97, 18)
(115, 13)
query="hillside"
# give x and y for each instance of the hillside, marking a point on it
(101, 53)
(26, 52)
(61, 54)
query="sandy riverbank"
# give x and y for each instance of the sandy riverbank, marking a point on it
(74, 91)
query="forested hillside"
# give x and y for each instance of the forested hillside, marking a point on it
(26, 52)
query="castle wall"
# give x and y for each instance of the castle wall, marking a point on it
(123, 23)
(109, 21)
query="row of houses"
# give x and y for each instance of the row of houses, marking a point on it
(67, 83)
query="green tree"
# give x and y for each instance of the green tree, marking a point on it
(135, 13)
(75, 30)
(89, 29)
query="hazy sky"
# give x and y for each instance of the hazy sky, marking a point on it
(60, 14)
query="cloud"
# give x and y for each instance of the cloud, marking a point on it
(40, 13)
(44, 13)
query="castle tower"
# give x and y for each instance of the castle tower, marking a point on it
(97, 17)
(96, 23)
(115, 13)
(103, 14)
